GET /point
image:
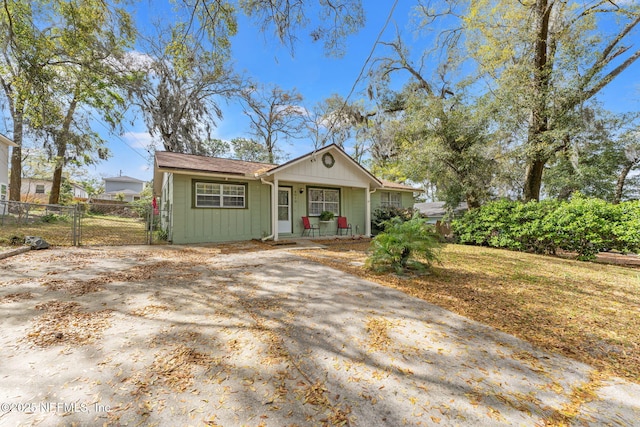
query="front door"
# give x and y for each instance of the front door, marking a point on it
(284, 210)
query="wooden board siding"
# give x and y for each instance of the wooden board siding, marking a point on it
(341, 174)
(352, 205)
(407, 198)
(4, 164)
(202, 225)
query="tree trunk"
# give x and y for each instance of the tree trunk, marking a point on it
(54, 196)
(61, 139)
(16, 173)
(472, 201)
(533, 180)
(621, 180)
(15, 183)
(539, 122)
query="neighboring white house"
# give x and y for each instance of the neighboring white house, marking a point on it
(5, 143)
(39, 189)
(123, 188)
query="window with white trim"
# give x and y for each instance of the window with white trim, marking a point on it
(218, 195)
(324, 199)
(390, 200)
(39, 188)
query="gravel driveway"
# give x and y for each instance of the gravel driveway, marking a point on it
(182, 336)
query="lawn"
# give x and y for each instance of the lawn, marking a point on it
(587, 311)
(95, 230)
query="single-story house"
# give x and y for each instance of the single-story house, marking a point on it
(33, 189)
(209, 199)
(436, 211)
(123, 188)
(5, 143)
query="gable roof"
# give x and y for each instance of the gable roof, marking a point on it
(191, 162)
(123, 178)
(319, 152)
(166, 161)
(396, 186)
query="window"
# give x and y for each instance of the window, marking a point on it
(215, 195)
(390, 200)
(322, 199)
(39, 188)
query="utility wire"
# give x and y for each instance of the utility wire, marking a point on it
(118, 136)
(364, 66)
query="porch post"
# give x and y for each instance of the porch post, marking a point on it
(274, 209)
(367, 216)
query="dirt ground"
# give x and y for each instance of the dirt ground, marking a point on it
(240, 335)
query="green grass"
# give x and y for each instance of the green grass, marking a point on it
(95, 230)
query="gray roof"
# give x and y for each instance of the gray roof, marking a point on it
(123, 178)
(191, 162)
(437, 209)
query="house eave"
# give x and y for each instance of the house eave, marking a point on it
(7, 141)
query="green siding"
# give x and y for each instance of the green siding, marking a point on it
(202, 225)
(407, 199)
(352, 205)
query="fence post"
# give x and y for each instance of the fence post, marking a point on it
(73, 225)
(150, 227)
(77, 213)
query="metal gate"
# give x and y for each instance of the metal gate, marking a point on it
(114, 223)
(56, 224)
(94, 223)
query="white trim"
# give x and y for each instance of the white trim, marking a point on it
(274, 209)
(367, 220)
(7, 141)
(289, 221)
(315, 155)
(273, 234)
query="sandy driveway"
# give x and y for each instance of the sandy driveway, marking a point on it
(190, 336)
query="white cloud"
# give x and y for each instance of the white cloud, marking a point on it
(141, 140)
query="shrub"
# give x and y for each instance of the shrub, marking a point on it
(582, 225)
(404, 245)
(326, 216)
(51, 218)
(383, 214)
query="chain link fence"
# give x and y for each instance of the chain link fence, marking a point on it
(56, 224)
(91, 223)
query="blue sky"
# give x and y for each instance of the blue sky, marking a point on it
(313, 74)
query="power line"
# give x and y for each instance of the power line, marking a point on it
(364, 66)
(118, 136)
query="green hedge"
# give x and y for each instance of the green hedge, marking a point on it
(582, 225)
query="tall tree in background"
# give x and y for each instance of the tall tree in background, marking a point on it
(251, 150)
(545, 58)
(329, 22)
(94, 35)
(336, 121)
(274, 114)
(631, 161)
(181, 86)
(434, 131)
(54, 57)
(23, 73)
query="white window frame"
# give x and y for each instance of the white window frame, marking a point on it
(391, 199)
(40, 187)
(223, 192)
(315, 207)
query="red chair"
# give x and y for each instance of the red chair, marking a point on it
(343, 225)
(308, 228)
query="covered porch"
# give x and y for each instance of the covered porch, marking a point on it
(325, 180)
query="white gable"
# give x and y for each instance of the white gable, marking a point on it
(313, 169)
